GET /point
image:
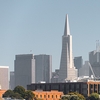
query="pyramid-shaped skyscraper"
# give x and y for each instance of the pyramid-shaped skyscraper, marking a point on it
(67, 69)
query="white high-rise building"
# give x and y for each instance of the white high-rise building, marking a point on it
(67, 69)
(24, 70)
(4, 77)
(43, 68)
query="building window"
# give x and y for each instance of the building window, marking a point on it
(95, 86)
(91, 86)
(56, 96)
(52, 96)
(37, 96)
(84, 86)
(44, 96)
(67, 86)
(72, 85)
(98, 88)
(48, 96)
(40, 96)
(77, 86)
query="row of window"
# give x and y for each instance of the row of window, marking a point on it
(48, 96)
(62, 86)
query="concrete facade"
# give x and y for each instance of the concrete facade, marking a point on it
(24, 70)
(4, 77)
(85, 70)
(67, 69)
(94, 57)
(48, 95)
(43, 68)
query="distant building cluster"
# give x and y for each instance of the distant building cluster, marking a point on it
(30, 71)
(31, 68)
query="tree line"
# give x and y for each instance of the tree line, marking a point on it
(20, 93)
(77, 96)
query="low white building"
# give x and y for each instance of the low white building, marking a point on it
(4, 77)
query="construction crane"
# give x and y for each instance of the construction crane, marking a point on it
(95, 78)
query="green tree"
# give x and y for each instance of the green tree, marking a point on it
(94, 96)
(11, 94)
(8, 93)
(17, 96)
(20, 90)
(29, 95)
(65, 97)
(74, 97)
(80, 96)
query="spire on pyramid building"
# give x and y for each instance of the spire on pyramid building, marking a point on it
(67, 68)
(67, 30)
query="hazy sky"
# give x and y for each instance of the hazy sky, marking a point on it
(38, 25)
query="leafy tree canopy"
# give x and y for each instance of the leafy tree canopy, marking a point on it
(8, 93)
(19, 93)
(94, 96)
(73, 97)
(80, 97)
(17, 96)
(29, 95)
(20, 90)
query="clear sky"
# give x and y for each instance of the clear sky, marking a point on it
(38, 25)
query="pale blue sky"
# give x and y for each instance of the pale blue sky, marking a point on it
(38, 25)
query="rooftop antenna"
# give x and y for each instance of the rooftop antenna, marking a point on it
(96, 45)
(99, 46)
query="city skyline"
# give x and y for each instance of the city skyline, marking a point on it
(33, 26)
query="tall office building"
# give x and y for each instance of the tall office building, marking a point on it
(67, 69)
(43, 68)
(94, 59)
(24, 70)
(78, 63)
(12, 80)
(4, 77)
